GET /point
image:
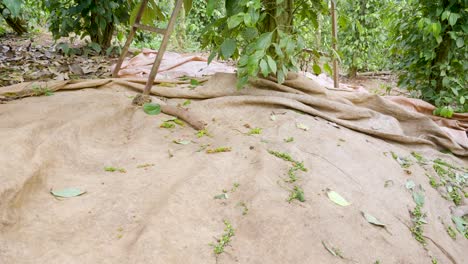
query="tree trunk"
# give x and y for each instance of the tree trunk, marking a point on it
(442, 56)
(280, 16)
(180, 31)
(105, 37)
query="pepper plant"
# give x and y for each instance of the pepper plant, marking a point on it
(430, 42)
(261, 35)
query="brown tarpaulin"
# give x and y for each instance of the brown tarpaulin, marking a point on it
(161, 210)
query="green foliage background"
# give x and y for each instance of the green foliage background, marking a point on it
(429, 40)
(423, 41)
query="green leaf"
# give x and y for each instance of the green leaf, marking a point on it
(278, 51)
(234, 21)
(446, 111)
(453, 18)
(264, 68)
(194, 82)
(186, 102)
(182, 142)
(371, 219)
(264, 41)
(95, 46)
(410, 184)
(290, 46)
(271, 64)
(302, 126)
(460, 42)
(221, 196)
(280, 76)
(250, 33)
(67, 192)
(254, 15)
(316, 69)
(461, 224)
(436, 28)
(248, 20)
(228, 47)
(337, 198)
(244, 59)
(152, 108)
(331, 249)
(212, 56)
(418, 197)
(242, 81)
(210, 7)
(446, 81)
(445, 15)
(13, 5)
(327, 69)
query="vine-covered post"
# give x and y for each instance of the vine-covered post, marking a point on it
(336, 84)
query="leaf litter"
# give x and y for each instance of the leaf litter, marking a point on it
(36, 58)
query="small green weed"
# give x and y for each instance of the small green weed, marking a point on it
(418, 221)
(39, 91)
(245, 209)
(404, 162)
(186, 102)
(292, 175)
(453, 178)
(177, 121)
(235, 186)
(224, 240)
(202, 133)
(194, 83)
(455, 196)
(145, 165)
(296, 194)
(433, 182)
(113, 169)
(167, 84)
(419, 158)
(292, 171)
(281, 155)
(255, 131)
(166, 124)
(451, 233)
(171, 123)
(218, 150)
(289, 139)
(444, 163)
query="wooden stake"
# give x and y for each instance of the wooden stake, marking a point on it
(162, 48)
(143, 5)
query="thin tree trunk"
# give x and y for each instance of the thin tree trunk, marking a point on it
(442, 56)
(180, 31)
